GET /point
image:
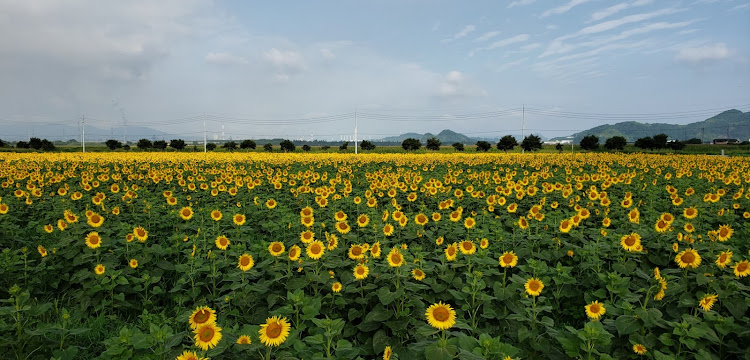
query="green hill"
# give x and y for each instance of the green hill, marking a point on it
(446, 137)
(731, 123)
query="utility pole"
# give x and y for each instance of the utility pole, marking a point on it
(355, 132)
(204, 135)
(83, 132)
(523, 124)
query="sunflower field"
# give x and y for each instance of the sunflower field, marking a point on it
(392, 256)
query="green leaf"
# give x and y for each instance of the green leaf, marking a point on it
(627, 324)
(434, 352)
(142, 341)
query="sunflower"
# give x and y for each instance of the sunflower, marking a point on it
(307, 221)
(340, 216)
(469, 223)
(61, 224)
(436, 216)
(451, 252)
(186, 213)
(523, 223)
(93, 240)
(534, 286)
(688, 227)
(216, 215)
(222, 242)
(140, 233)
(395, 259)
(202, 315)
(245, 262)
(634, 216)
(274, 331)
(99, 269)
(95, 220)
(189, 355)
(363, 220)
(387, 353)
(342, 227)
(639, 349)
(375, 250)
(418, 274)
(336, 287)
(271, 203)
(42, 251)
(388, 230)
(315, 250)
(565, 226)
(742, 268)
(306, 212)
(244, 340)
(361, 271)
(690, 213)
(333, 241)
(688, 257)
(723, 259)
(239, 219)
(661, 226)
(724, 233)
(630, 242)
(512, 208)
(133, 263)
(70, 217)
(307, 236)
(484, 243)
(294, 253)
(421, 219)
(595, 310)
(707, 302)
(508, 259)
(207, 336)
(356, 252)
(467, 247)
(441, 316)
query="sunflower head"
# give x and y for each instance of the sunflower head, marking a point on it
(201, 316)
(595, 310)
(534, 286)
(274, 332)
(441, 316)
(207, 336)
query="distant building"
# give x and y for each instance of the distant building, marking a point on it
(555, 142)
(726, 141)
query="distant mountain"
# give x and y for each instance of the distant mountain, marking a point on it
(731, 123)
(66, 132)
(446, 137)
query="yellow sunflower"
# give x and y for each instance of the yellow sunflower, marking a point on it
(418, 274)
(742, 268)
(467, 247)
(95, 220)
(523, 223)
(387, 353)
(271, 203)
(245, 262)
(340, 216)
(216, 215)
(99, 269)
(222, 242)
(356, 252)
(307, 236)
(661, 226)
(333, 241)
(630, 242)
(363, 220)
(565, 226)
(508, 259)
(690, 213)
(186, 213)
(634, 216)
(361, 271)
(274, 331)
(388, 230)
(42, 251)
(421, 219)
(133, 263)
(595, 310)
(189, 355)
(375, 250)
(202, 315)
(207, 336)
(315, 250)
(294, 253)
(342, 227)
(724, 233)
(239, 219)
(244, 340)
(688, 257)
(469, 223)
(707, 302)
(395, 259)
(441, 316)
(484, 243)
(534, 286)
(451, 252)
(276, 248)
(336, 287)
(723, 259)
(93, 240)
(639, 349)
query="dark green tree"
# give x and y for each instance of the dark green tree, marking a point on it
(433, 144)
(660, 141)
(210, 146)
(22, 145)
(344, 146)
(177, 144)
(507, 142)
(247, 144)
(676, 145)
(458, 146)
(615, 143)
(144, 144)
(287, 146)
(645, 143)
(268, 147)
(47, 145)
(367, 145)
(559, 147)
(306, 148)
(531, 143)
(35, 143)
(411, 144)
(694, 141)
(589, 142)
(113, 144)
(483, 146)
(230, 145)
(160, 144)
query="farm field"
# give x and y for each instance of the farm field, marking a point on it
(394, 256)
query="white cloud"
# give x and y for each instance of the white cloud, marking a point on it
(455, 84)
(285, 62)
(520, 3)
(486, 36)
(609, 25)
(327, 54)
(465, 31)
(703, 54)
(223, 58)
(741, 7)
(501, 43)
(601, 14)
(564, 8)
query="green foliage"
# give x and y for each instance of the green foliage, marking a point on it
(411, 144)
(177, 144)
(230, 145)
(458, 146)
(144, 144)
(160, 144)
(268, 147)
(615, 143)
(433, 144)
(506, 143)
(247, 144)
(306, 148)
(210, 146)
(344, 146)
(367, 145)
(287, 146)
(589, 142)
(531, 143)
(483, 146)
(113, 144)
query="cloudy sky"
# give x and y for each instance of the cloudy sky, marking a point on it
(303, 68)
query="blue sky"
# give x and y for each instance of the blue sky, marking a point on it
(299, 69)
